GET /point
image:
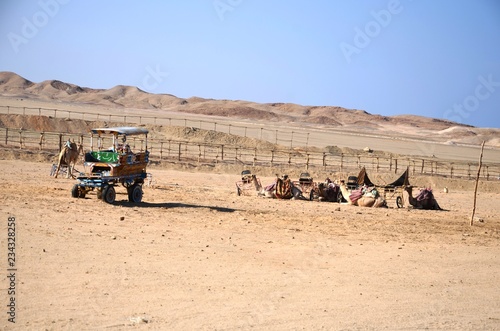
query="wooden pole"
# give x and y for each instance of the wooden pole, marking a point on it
(477, 181)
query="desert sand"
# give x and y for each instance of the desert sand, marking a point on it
(196, 256)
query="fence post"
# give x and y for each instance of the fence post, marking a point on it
(254, 154)
(395, 166)
(307, 162)
(161, 150)
(60, 141)
(272, 157)
(378, 164)
(179, 155)
(324, 159)
(222, 153)
(390, 163)
(6, 136)
(41, 140)
(199, 153)
(20, 139)
(451, 171)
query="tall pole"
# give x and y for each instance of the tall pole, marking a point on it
(477, 181)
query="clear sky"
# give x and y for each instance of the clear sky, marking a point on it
(433, 58)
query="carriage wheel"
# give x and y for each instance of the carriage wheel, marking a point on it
(399, 202)
(108, 194)
(75, 191)
(135, 193)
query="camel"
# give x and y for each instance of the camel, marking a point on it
(273, 191)
(369, 198)
(424, 200)
(68, 156)
(328, 192)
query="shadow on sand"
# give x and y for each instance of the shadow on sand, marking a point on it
(171, 205)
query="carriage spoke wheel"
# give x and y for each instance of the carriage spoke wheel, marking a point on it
(108, 194)
(77, 192)
(135, 193)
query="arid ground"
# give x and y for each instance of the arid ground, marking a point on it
(196, 256)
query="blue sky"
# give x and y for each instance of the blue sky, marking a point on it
(432, 58)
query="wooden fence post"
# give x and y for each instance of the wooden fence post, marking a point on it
(6, 136)
(477, 182)
(390, 163)
(272, 157)
(307, 162)
(179, 155)
(222, 153)
(41, 140)
(20, 139)
(395, 166)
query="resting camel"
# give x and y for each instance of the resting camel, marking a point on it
(369, 198)
(424, 200)
(68, 156)
(328, 192)
(278, 189)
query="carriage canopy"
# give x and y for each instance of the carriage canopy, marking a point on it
(122, 130)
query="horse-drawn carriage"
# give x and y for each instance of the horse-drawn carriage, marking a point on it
(105, 169)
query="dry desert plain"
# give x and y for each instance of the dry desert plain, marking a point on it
(195, 255)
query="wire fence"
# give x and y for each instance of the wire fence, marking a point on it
(206, 153)
(282, 137)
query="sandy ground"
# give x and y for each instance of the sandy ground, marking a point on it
(194, 255)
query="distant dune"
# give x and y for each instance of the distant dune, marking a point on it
(130, 97)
